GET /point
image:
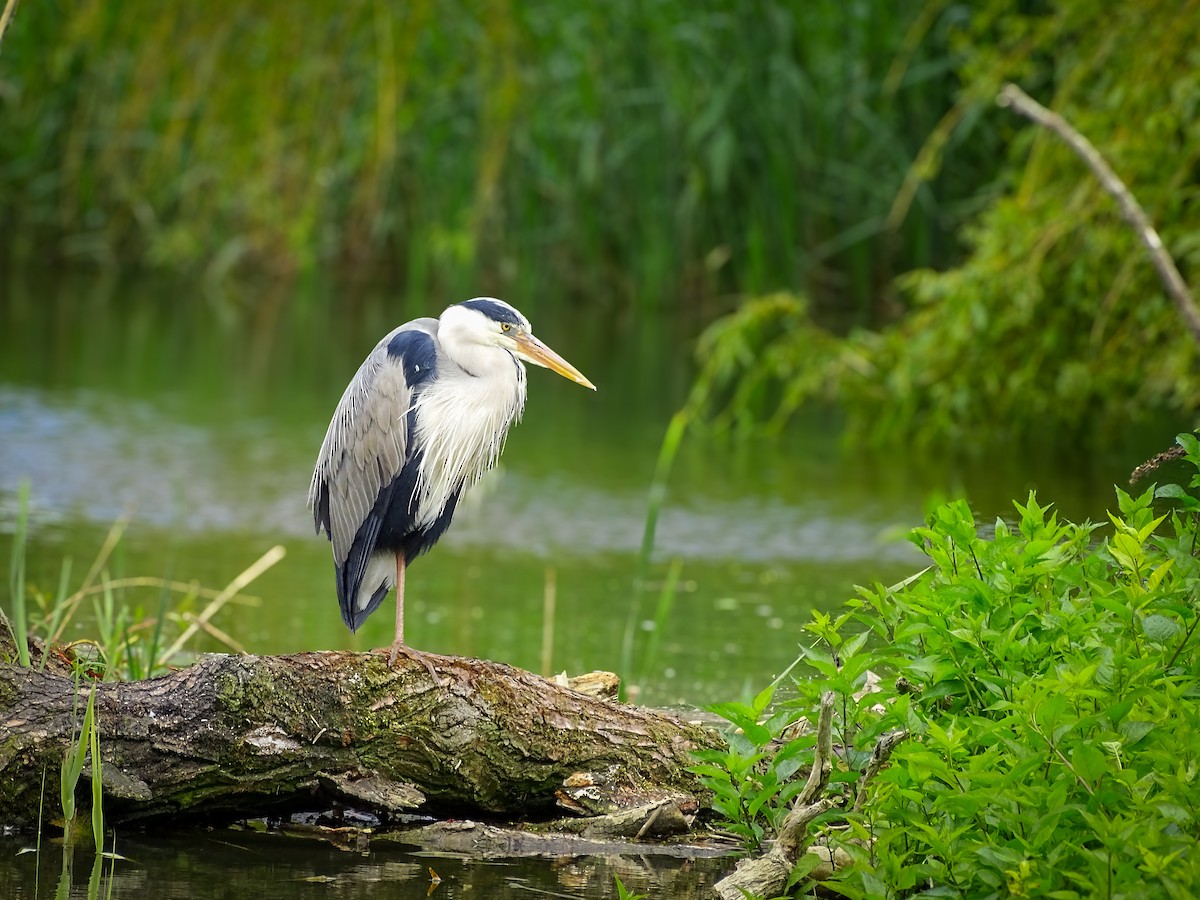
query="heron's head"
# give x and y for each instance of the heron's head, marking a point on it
(486, 322)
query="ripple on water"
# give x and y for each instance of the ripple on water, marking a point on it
(94, 456)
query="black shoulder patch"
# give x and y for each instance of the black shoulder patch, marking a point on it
(497, 312)
(415, 351)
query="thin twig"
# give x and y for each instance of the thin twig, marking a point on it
(1131, 210)
(549, 606)
(6, 17)
(110, 544)
(879, 758)
(213, 631)
(1061, 756)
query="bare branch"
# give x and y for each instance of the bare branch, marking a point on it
(818, 776)
(879, 758)
(6, 17)
(1131, 210)
(767, 875)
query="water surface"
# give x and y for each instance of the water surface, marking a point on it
(228, 864)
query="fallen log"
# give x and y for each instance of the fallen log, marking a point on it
(242, 736)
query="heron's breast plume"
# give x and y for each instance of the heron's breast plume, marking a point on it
(461, 425)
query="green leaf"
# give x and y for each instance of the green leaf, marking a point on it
(763, 700)
(1181, 497)
(1133, 731)
(744, 718)
(1157, 575)
(805, 864)
(852, 646)
(72, 764)
(1089, 761)
(1119, 711)
(1159, 628)
(97, 780)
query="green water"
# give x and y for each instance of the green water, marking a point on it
(203, 423)
(202, 419)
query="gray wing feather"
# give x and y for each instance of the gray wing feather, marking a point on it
(366, 444)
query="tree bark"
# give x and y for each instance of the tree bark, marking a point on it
(246, 736)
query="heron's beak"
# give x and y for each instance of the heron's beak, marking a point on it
(532, 350)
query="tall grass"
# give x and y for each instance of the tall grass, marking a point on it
(646, 655)
(85, 746)
(130, 643)
(617, 153)
(72, 769)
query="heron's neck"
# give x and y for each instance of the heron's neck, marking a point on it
(493, 363)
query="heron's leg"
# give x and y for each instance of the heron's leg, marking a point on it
(399, 602)
(398, 646)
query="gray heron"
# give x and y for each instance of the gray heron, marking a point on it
(424, 417)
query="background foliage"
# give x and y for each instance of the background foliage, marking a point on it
(1056, 321)
(954, 276)
(656, 152)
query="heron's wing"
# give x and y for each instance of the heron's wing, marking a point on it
(368, 440)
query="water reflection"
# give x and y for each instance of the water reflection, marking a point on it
(223, 864)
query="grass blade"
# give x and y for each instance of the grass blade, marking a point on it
(264, 562)
(72, 767)
(20, 622)
(97, 781)
(658, 494)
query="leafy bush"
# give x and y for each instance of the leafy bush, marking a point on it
(1050, 679)
(1057, 320)
(751, 780)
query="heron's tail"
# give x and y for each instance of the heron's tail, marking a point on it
(359, 600)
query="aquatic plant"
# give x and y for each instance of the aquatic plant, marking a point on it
(131, 643)
(631, 648)
(623, 893)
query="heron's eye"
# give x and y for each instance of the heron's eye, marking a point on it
(504, 326)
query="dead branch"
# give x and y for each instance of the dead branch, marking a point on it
(1131, 210)
(767, 875)
(879, 758)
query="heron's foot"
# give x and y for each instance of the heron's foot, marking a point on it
(399, 649)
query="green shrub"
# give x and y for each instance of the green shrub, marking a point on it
(1049, 678)
(751, 779)
(1057, 323)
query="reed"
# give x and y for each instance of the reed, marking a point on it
(668, 450)
(72, 768)
(654, 155)
(20, 624)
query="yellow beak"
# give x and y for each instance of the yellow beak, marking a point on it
(532, 350)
